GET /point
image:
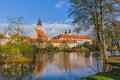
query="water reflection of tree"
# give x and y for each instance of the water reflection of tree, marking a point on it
(88, 58)
(95, 61)
(97, 65)
(100, 65)
(17, 71)
(106, 67)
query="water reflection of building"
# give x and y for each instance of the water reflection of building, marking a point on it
(52, 64)
(40, 65)
(63, 61)
(72, 60)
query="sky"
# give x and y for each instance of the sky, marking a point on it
(50, 11)
(53, 15)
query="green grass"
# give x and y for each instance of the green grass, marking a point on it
(110, 75)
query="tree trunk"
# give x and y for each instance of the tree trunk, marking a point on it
(104, 55)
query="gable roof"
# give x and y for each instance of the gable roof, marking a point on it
(79, 37)
(60, 41)
(64, 36)
(68, 36)
(41, 34)
(36, 40)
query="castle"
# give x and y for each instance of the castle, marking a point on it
(38, 36)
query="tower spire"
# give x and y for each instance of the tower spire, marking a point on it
(65, 31)
(69, 31)
(39, 24)
(39, 21)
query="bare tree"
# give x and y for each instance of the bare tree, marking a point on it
(97, 13)
(15, 29)
(113, 38)
(15, 25)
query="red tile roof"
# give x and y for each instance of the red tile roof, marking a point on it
(55, 41)
(60, 41)
(35, 40)
(41, 34)
(44, 38)
(64, 36)
(69, 41)
(79, 37)
(68, 36)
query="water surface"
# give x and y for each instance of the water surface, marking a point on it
(58, 66)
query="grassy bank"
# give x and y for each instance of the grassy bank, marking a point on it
(110, 75)
(18, 59)
(114, 60)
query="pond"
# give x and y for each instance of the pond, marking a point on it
(58, 66)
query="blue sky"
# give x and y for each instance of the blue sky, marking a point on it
(53, 14)
(50, 11)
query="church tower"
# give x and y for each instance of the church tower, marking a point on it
(38, 33)
(34, 34)
(39, 24)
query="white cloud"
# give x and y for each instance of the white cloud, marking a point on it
(56, 28)
(3, 27)
(68, 20)
(50, 30)
(28, 29)
(59, 5)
